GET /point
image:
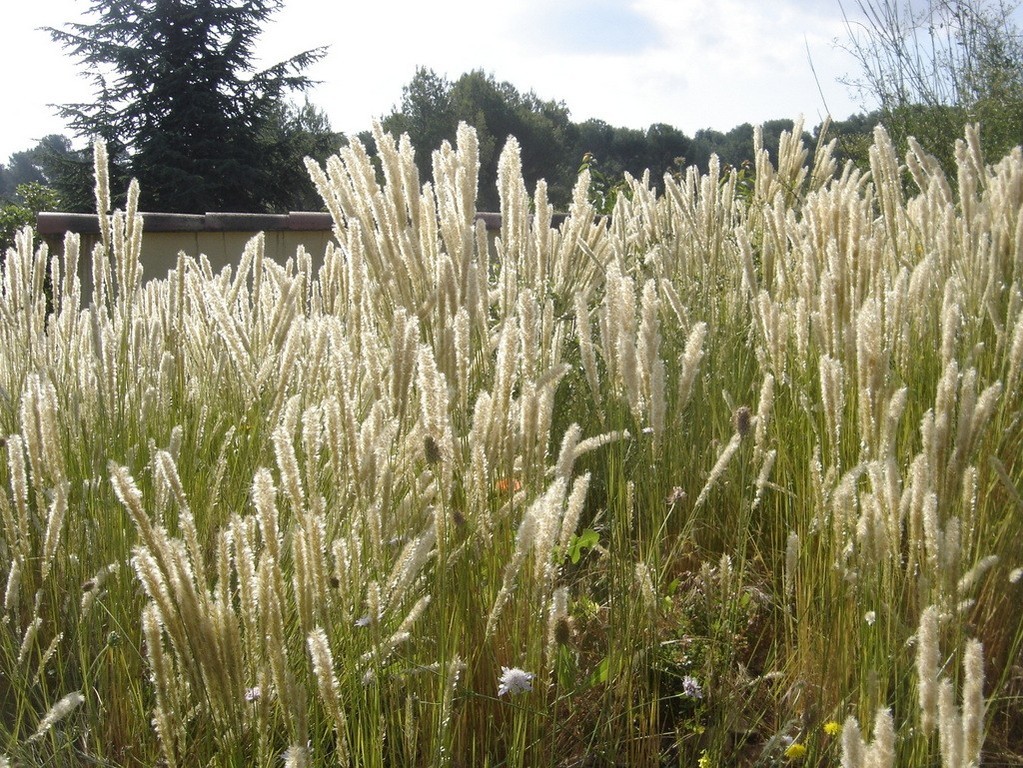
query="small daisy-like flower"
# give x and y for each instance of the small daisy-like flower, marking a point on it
(253, 693)
(832, 728)
(514, 680)
(691, 687)
(870, 617)
(795, 751)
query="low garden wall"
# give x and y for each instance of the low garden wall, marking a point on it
(220, 236)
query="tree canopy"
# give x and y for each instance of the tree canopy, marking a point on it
(552, 144)
(431, 108)
(183, 108)
(930, 70)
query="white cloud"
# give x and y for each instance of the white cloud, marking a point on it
(586, 27)
(35, 73)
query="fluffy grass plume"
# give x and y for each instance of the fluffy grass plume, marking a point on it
(691, 484)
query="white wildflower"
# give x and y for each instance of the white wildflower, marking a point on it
(691, 687)
(514, 680)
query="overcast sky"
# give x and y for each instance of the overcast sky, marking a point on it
(689, 63)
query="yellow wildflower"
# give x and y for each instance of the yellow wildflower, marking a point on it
(832, 728)
(796, 751)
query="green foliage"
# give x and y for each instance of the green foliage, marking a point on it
(432, 108)
(53, 163)
(604, 190)
(735, 148)
(426, 115)
(294, 133)
(499, 111)
(929, 71)
(20, 211)
(853, 138)
(660, 149)
(581, 542)
(181, 106)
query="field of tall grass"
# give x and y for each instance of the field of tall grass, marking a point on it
(732, 477)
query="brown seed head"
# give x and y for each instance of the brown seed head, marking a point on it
(431, 450)
(742, 419)
(563, 630)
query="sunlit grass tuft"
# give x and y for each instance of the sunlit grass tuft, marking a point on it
(689, 485)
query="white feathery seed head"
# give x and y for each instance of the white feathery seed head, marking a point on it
(691, 359)
(853, 747)
(645, 586)
(296, 756)
(927, 667)
(973, 701)
(573, 510)
(950, 725)
(58, 712)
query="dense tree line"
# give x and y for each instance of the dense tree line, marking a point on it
(553, 146)
(183, 109)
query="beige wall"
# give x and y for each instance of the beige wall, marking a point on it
(160, 249)
(220, 236)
